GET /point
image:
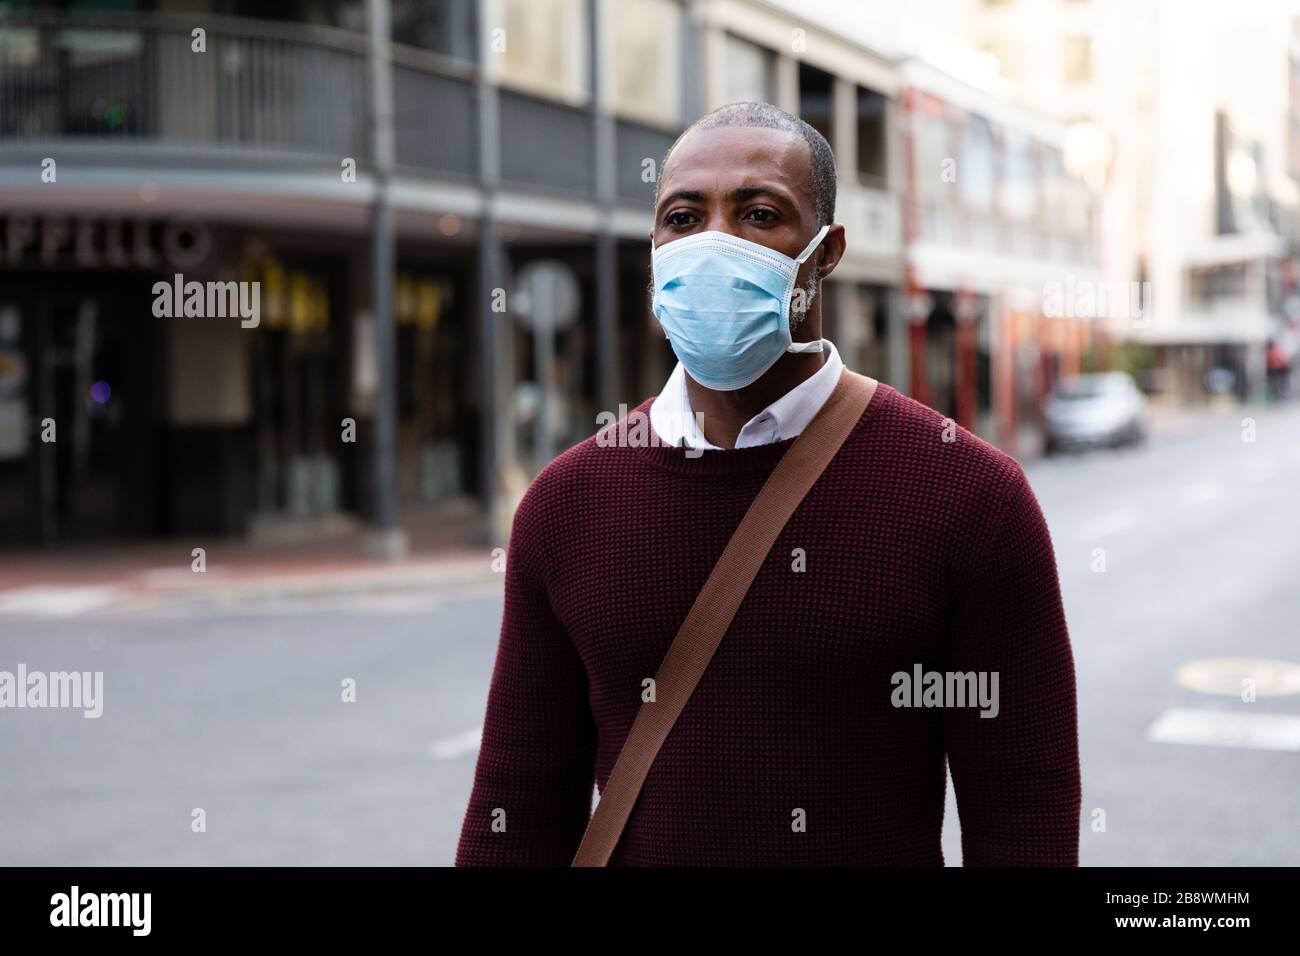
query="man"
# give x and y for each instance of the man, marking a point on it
(920, 550)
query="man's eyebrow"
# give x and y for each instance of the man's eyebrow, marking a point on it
(753, 192)
(739, 194)
(682, 195)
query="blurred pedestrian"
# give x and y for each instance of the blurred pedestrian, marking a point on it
(1278, 366)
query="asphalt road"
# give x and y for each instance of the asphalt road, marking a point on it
(242, 716)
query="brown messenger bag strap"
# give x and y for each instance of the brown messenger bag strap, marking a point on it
(716, 606)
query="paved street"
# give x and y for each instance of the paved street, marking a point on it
(239, 712)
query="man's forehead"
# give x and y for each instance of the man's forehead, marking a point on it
(719, 155)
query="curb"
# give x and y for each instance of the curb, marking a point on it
(245, 589)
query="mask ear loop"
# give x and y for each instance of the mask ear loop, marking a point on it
(803, 256)
(816, 241)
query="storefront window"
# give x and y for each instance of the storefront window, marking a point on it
(429, 376)
(295, 418)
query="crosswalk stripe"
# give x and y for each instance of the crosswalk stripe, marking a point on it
(1219, 728)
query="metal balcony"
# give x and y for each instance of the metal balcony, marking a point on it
(264, 91)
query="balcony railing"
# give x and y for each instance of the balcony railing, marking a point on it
(260, 88)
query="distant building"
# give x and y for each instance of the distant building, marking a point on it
(1185, 112)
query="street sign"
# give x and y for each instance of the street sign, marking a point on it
(546, 301)
(546, 295)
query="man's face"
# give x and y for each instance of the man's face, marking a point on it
(750, 182)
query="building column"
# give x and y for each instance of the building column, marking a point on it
(604, 164)
(897, 346)
(896, 149)
(966, 366)
(848, 329)
(915, 310)
(496, 371)
(714, 43)
(918, 318)
(1005, 375)
(387, 541)
(844, 128)
(787, 83)
(699, 61)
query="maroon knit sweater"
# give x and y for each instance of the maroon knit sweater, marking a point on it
(916, 551)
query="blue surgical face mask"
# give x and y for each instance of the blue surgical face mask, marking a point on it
(724, 303)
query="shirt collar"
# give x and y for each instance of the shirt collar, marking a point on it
(674, 422)
(795, 409)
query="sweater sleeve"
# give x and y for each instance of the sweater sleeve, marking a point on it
(1016, 774)
(532, 790)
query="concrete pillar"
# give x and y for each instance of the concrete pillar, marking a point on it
(850, 329)
(787, 83)
(387, 541)
(496, 370)
(604, 160)
(898, 344)
(844, 128)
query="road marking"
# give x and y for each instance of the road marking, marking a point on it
(1260, 469)
(56, 601)
(1110, 523)
(1220, 728)
(181, 577)
(449, 748)
(1228, 675)
(232, 603)
(398, 602)
(1202, 492)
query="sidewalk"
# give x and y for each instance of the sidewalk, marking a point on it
(303, 563)
(1169, 420)
(1172, 421)
(124, 579)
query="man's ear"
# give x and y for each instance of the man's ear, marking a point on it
(832, 251)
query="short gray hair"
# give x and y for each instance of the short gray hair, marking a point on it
(767, 116)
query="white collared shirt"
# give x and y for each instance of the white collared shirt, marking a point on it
(674, 422)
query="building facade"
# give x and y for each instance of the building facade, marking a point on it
(231, 142)
(231, 145)
(999, 237)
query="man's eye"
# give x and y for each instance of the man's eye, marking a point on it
(761, 215)
(678, 218)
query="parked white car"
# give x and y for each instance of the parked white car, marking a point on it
(1103, 408)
